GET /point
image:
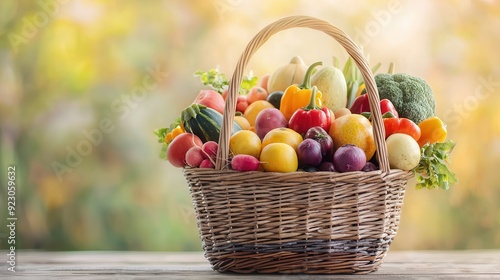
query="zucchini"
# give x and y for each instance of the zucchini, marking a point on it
(204, 122)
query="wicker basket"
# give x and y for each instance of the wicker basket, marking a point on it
(299, 222)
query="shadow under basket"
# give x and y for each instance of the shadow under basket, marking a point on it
(298, 222)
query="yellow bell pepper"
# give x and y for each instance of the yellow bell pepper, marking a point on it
(172, 134)
(432, 130)
(360, 89)
(298, 96)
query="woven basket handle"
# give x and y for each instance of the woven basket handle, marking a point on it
(344, 40)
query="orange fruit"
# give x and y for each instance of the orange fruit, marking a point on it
(254, 109)
(245, 142)
(279, 157)
(353, 129)
(282, 135)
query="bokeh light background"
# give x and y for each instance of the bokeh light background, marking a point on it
(69, 68)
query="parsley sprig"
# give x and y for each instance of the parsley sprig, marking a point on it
(432, 171)
(219, 82)
(161, 134)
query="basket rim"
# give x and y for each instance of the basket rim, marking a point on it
(231, 176)
(393, 171)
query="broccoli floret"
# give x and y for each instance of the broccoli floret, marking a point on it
(411, 96)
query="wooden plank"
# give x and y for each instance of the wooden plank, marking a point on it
(192, 265)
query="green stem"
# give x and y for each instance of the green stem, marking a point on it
(391, 68)
(306, 84)
(312, 102)
(352, 89)
(191, 111)
(375, 68)
(336, 62)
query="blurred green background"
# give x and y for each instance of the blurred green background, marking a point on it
(84, 83)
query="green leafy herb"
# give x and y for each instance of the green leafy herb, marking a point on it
(213, 78)
(432, 172)
(219, 82)
(247, 83)
(163, 152)
(161, 134)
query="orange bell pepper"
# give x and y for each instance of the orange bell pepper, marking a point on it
(298, 96)
(432, 130)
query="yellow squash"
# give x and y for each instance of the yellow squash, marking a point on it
(286, 75)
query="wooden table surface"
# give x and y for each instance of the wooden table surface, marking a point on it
(192, 265)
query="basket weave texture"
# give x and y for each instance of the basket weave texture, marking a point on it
(299, 222)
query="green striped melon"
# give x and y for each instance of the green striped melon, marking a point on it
(204, 122)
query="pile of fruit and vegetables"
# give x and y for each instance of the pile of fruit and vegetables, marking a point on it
(313, 119)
